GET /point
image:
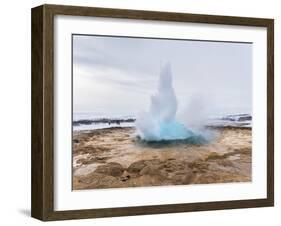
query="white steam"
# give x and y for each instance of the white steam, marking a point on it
(159, 122)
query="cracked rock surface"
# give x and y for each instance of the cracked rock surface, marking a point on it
(113, 158)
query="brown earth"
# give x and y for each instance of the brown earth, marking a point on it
(114, 158)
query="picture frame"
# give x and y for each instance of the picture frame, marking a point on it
(43, 31)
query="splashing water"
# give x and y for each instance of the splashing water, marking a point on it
(159, 123)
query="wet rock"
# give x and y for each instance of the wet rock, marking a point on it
(90, 160)
(150, 170)
(101, 159)
(96, 180)
(171, 159)
(147, 179)
(198, 166)
(228, 159)
(225, 163)
(136, 167)
(188, 177)
(155, 162)
(86, 161)
(214, 155)
(208, 178)
(113, 169)
(125, 176)
(173, 165)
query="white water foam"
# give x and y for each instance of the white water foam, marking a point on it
(159, 122)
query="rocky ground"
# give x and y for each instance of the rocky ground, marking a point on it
(113, 158)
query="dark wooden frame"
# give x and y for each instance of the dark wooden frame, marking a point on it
(42, 203)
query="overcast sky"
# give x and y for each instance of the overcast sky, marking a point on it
(118, 75)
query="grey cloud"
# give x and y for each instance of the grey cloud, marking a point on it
(222, 71)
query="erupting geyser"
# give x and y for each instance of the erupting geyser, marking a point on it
(159, 123)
